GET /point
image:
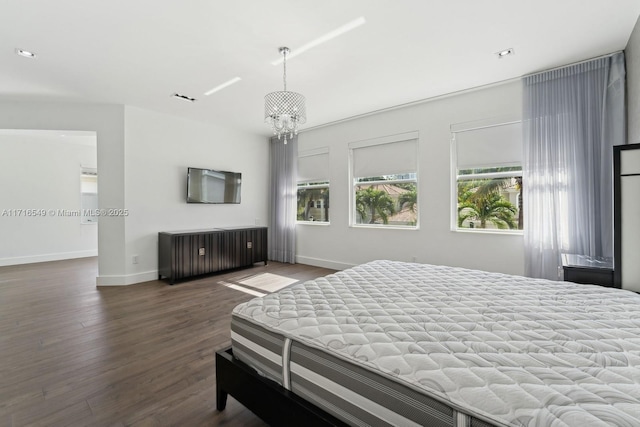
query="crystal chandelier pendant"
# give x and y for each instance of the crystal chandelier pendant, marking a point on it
(284, 110)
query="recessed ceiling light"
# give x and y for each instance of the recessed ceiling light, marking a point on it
(183, 97)
(223, 85)
(506, 52)
(25, 53)
(322, 39)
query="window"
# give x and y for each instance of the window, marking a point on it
(313, 186)
(385, 181)
(490, 198)
(387, 200)
(313, 201)
(488, 177)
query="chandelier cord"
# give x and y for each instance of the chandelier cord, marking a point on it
(284, 77)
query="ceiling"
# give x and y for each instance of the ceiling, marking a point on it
(140, 52)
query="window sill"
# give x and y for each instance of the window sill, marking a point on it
(489, 231)
(321, 223)
(385, 227)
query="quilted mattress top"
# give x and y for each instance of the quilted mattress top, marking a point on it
(513, 350)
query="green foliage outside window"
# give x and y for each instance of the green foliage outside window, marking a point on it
(389, 200)
(313, 203)
(482, 202)
(373, 204)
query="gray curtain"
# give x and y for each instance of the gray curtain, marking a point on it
(282, 230)
(572, 117)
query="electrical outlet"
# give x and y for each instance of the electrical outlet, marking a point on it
(134, 259)
(201, 251)
(249, 245)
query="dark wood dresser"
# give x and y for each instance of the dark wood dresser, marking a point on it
(185, 254)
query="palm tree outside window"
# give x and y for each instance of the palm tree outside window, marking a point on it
(490, 198)
(389, 200)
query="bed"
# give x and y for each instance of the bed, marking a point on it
(394, 343)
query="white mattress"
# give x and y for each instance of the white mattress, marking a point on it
(506, 349)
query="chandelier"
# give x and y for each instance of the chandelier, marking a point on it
(284, 110)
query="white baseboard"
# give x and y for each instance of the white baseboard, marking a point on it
(131, 279)
(47, 257)
(128, 279)
(324, 263)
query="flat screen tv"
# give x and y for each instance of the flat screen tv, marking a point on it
(212, 186)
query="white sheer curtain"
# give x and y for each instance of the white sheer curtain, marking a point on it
(282, 230)
(572, 117)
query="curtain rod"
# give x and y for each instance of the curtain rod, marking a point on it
(608, 55)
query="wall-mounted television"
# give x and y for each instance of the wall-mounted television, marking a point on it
(213, 186)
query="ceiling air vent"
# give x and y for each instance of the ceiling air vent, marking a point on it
(183, 97)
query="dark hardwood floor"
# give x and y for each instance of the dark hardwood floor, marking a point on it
(72, 354)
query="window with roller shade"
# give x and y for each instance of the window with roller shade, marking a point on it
(488, 177)
(313, 186)
(385, 181)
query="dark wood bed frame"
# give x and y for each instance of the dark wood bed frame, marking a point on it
(265, 398)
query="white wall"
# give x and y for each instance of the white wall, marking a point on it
(41, 171)
(108, 123)
(159, 148)
(339, 245)
(150, 181)
(632, 54)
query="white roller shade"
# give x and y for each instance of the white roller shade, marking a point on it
(313, 165)
(386, 159)
(490, 146)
